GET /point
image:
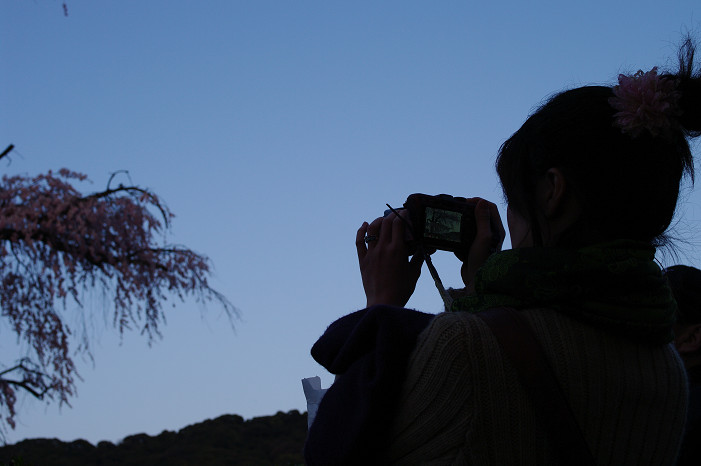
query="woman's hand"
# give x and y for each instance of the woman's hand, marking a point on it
(389, 276)
(488, 240)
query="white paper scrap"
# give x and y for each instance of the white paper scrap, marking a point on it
(314, 393)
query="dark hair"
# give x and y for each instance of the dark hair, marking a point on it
(685, 282)
(627, 187)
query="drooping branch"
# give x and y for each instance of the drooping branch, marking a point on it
(56, 243)
(32, 380)
(146, 196)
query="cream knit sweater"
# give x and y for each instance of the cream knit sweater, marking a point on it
(462, 402)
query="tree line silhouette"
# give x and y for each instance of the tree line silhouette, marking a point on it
(226, 440)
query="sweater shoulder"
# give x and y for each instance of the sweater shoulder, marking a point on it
(449, 325)
(458, 329)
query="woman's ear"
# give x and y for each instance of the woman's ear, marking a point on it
(558, 206)
(554, 193)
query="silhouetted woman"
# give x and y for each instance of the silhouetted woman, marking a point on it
(592, 180)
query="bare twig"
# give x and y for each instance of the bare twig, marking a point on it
(7, 151)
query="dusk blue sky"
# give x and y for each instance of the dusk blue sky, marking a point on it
(273, 129)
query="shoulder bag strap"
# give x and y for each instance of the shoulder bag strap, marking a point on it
(518, 342)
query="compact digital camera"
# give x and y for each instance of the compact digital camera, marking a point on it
(440, 222)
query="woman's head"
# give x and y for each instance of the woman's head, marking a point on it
(623, 185)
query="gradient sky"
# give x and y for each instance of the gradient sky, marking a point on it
(273, 129)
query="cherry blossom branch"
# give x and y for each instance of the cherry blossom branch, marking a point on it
(28, 382)
(24, 384)
(55, 243)
(145, 194)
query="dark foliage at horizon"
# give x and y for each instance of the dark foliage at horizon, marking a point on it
(226, 440)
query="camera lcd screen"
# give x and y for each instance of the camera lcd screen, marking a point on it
(442, 224)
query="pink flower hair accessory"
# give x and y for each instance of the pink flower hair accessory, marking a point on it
(645, 101)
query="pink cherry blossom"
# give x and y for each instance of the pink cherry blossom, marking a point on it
(57, 245)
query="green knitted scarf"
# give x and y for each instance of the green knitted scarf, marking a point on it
(616, 286)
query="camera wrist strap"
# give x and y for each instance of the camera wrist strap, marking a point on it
(447, 299)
